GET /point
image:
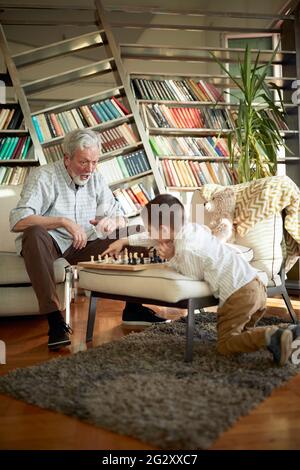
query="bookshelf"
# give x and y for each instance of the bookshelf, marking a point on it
(127, 162)
(187, 129)
(16, 150)
(199, 32)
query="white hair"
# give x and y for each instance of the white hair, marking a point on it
(80, 139)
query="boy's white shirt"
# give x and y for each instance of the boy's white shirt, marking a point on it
(201, 256)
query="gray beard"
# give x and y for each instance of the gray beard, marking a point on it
(79, 181)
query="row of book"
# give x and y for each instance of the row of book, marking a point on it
(160, 115)
(51, 125)
(10, 118)
(13, 175)
(190, 173)
(124, 166)
(189, 146)
(14, 147)
(111, 139)
(132, 199)
(117, 138)
(176, 90)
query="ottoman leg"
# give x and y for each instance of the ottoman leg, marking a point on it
(91, 317)
(190, 331)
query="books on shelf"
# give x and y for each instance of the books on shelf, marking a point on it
(111, 140)
(51, 125)
(161, 115)
(13, 175)
(189, 146)
(10, 117)
(192, 174)
(176, 90)
(14, 147)
(132, 199)
(124, 166)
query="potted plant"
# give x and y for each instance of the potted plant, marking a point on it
(254, 142)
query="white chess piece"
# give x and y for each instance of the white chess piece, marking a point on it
(126, 259)
(92, 259)
(106, 259)
(99, 258)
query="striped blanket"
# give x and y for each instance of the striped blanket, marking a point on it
(257, 200)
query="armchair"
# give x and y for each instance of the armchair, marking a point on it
(16, 293)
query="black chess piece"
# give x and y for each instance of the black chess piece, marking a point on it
(142, 261)
(156, 257)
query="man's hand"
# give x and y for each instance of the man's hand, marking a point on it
(107, 224)
(115, 248)
(77, 232)
(166, 250)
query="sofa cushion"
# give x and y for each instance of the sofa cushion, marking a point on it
(22, 300)
(9, 197)
(13, 271)
(265, 240)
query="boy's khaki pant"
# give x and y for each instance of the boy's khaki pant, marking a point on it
(237, 319)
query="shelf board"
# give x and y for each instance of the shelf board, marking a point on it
(187, 132)
(14, 132)
(215, 79)
(56, 49)
(191, 27)
(129, 148)
(98, 127)
(213, 104)
(15, 161)
(182, 188)
(288, 160)
(200, 54)
(133, 214)
(102, 66)
(200, 12)
(194, 158)
(131, 178)
(102, 95)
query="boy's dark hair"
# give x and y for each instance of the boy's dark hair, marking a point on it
(164, 209)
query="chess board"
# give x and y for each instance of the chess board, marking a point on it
(120, 267)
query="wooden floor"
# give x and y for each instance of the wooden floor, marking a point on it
(275, 424)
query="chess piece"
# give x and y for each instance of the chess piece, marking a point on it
(106, 259)
(99, 259)
(142, 261)
(120, 259)
(92, 259)
(135, 258)
(155, 256)
(130, 261)
(126, 260)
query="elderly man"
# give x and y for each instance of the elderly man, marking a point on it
(57, 215)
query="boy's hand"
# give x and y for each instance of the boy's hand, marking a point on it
(116, 247)
(166, 250)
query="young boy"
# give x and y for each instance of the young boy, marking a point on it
(194, 252)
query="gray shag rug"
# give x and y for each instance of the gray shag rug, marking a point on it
(140, 386)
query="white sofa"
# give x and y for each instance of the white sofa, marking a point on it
(16, 293)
